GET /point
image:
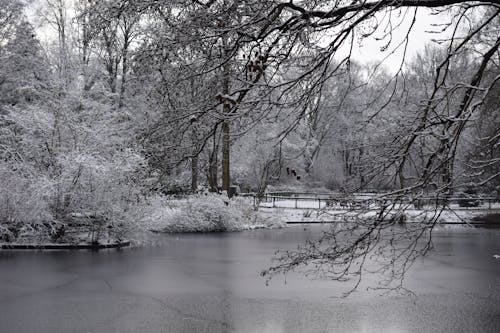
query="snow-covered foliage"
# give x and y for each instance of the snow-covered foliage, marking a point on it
(45, 183)
(61, 157)
(23, 198)
(201, 213)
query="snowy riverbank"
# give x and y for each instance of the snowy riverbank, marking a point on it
(216, 213)
(205, 213)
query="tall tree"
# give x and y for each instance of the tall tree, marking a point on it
(451, 99)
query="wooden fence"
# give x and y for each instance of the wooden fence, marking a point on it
(365, 201)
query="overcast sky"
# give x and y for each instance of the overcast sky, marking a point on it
(368, 51)
(423, 32)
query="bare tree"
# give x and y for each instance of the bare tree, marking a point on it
(440, 118)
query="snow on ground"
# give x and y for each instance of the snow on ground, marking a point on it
(321, 203)
(213, 212)
(204, 213)
(317, 211)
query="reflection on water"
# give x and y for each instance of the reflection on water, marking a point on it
(211, 283)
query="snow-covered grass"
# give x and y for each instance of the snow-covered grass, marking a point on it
(306, 215)
(362, 207)
(203, 213)
(323, 203)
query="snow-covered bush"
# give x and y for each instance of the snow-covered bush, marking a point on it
(63, 161)
(93, 183)
(24, 201)
(200, 213)
(105, 189)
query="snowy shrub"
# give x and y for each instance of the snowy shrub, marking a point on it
(24, 201)
(103, 189)
(200, 213)
(61, 166)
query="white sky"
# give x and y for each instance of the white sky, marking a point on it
(420, 36)
(366, 52)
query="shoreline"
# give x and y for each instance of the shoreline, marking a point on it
(64, 246)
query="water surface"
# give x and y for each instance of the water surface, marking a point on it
(211, 283)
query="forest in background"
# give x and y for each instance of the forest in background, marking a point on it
(107, 105)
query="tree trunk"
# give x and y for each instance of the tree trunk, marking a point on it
(361, 168)
(126, 44)
(124, 76)
(226, 145)
(194, 173)
(212, 164)
(212, 172)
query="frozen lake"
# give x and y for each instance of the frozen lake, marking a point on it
(211, 283)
